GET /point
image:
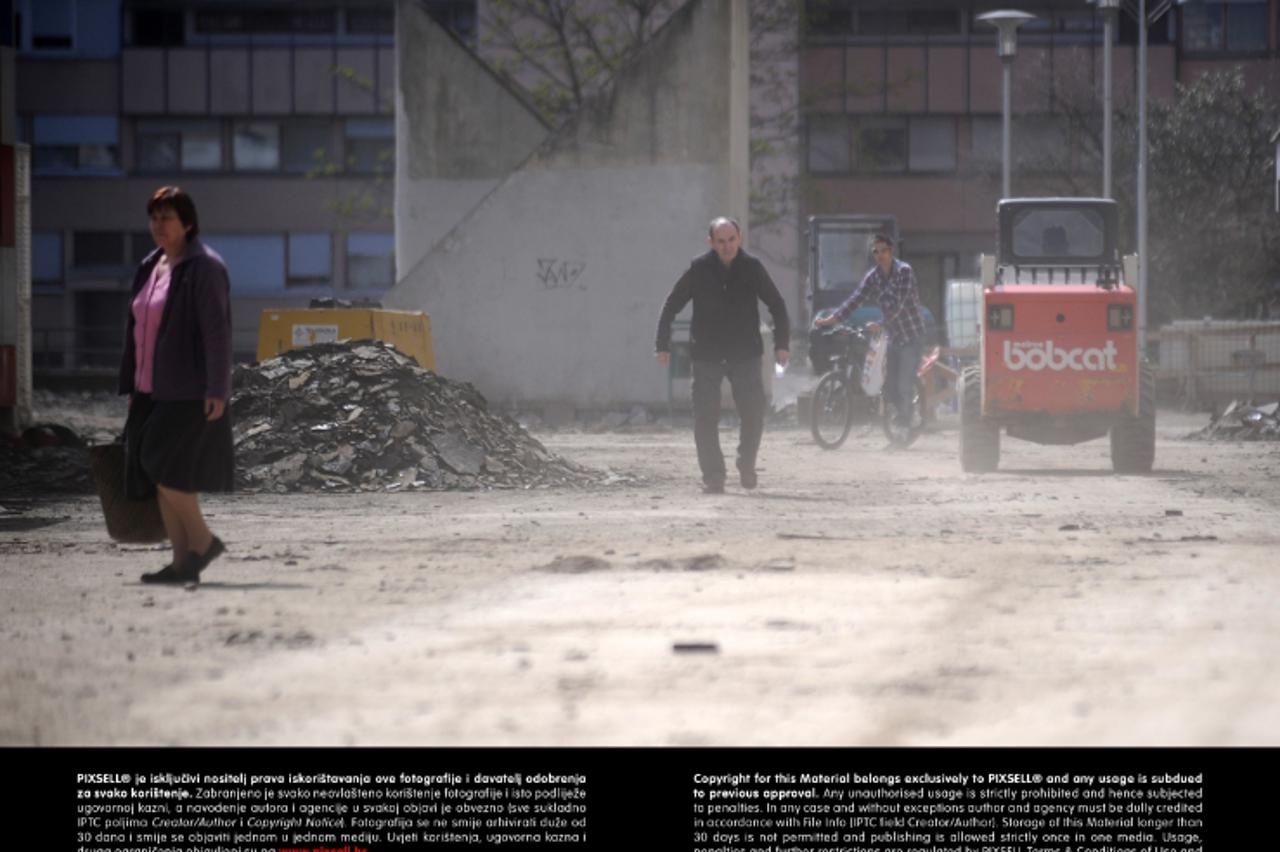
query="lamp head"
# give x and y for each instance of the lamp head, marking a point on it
(1007, 22)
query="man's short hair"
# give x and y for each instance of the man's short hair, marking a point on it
(883, 238)
(722, 220)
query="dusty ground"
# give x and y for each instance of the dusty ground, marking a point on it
(859, 597)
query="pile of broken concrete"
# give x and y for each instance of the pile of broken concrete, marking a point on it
(360, 416)
(1241, 421)
(47, 458)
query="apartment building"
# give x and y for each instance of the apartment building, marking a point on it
(277, 117)
(15, 385)
(902, 104)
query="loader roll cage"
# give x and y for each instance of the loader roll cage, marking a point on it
(1058, 241)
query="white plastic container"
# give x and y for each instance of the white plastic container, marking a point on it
(963, 308)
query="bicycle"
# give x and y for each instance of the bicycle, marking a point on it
(849, 395)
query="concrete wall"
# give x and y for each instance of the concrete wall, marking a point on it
(460, 130)
(549, 290)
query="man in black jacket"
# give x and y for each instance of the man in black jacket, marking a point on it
(724, 285)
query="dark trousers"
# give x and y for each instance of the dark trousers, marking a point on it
(748, 397)
(900, 377)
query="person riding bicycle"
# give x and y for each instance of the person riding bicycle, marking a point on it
(892, 284)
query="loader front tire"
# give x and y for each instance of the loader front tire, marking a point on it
(979, 438)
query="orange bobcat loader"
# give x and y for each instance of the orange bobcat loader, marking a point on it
(1059, 359)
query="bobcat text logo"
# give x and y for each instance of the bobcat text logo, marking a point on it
(1036, 356)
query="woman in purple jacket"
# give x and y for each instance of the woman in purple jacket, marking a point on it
(177, 371)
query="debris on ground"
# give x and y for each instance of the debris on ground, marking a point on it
(360, 416)
(695, 647)
(47, 458)
(1242, 421)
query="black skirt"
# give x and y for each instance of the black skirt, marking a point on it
(170, 443)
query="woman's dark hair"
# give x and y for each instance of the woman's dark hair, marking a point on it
(177, 199)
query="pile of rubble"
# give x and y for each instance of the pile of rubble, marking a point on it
(1244, 422)
(46, 458)
(360, 416)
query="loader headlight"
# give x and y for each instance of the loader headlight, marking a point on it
(1000, 317)
(1120, 318)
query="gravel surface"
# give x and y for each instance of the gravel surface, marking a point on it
(857, 597)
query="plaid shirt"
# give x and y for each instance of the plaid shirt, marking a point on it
(898, 298)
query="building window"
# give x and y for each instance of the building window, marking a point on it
(279, 21)
(53, 24)
(255, 262)
(1233, 26)
(308, 146)
(985, 142)
(458, 16)
(141, 244)
(46, 257)
(931, 144)
(187, 146)
(828, 17)
(310, 260)
(371, 261)
(1078, 22)
(255, 146)
(1040, 144)
(371, 145)
(76, 144)
(1163, 31)
(840, 144)
(158, 28)
(97, 250)
(880, 144)
(914, 22)
(845, 17)
(828, 144)
(371, 21)
(99, 316)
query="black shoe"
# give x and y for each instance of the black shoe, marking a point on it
(713, 488)
(167, 574)
(747, 476)
(197, 562)
(171, 573)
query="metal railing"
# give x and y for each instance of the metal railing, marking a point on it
(1213, 361)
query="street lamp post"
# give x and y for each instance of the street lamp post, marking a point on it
(1142, 176)
(1006, 22)
(1108, 8)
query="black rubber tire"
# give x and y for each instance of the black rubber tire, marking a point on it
(979, 438)
(832, 414)
(905, 438)
(1133, 440)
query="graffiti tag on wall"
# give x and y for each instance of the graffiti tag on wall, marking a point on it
(557, 274)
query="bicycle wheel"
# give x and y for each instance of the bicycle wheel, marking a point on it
(832, 413)
(901, 435)
(866, 415)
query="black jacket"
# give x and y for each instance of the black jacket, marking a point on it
(726, 310)
(193, 350)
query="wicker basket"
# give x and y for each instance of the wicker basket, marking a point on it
(128, 521)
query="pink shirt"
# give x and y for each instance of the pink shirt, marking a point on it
(148, 308)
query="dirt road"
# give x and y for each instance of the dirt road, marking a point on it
(859, 597)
